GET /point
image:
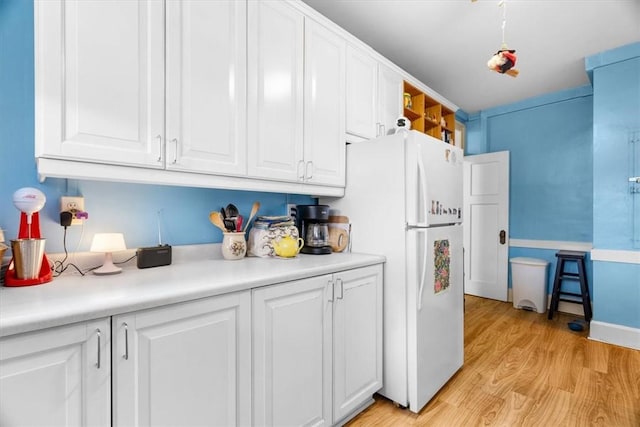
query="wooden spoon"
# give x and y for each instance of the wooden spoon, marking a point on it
(254, 211)
(216, 219)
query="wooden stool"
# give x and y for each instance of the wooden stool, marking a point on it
(581, 276)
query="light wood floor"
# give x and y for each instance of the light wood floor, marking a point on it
(521, 369)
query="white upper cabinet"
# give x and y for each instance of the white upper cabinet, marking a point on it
(100, 86)
(324, 106)
(206, 86)
(295, 97)
(374, 96)
(210, 93)
(362, 96)
(275, 90)
(389, 98)
(255, 95)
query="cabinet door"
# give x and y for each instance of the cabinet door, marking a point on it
(362, 99)
(357, 338)
(292, 353)
(275, 91)
(389, 98)
(324, 125)
(59, 376)
(100, 81)
(187, 364)
(206, 79)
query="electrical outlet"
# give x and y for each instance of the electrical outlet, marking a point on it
(291, 210)
(75, 205)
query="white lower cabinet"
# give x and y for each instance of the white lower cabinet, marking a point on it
(357, 339)
(292, 353)
(58, 376)
(315, 360)
(187, 364)
(317, 348)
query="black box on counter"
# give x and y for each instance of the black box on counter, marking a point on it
(155, 256)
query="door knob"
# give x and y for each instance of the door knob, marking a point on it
(503, 237)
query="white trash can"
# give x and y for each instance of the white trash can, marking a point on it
(529, 283)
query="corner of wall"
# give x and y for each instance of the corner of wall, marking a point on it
(609, 57)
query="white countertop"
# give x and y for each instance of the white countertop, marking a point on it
(74, 298)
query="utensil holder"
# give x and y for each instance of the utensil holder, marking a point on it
(234, 245)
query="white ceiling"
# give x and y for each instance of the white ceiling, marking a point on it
(446, 43)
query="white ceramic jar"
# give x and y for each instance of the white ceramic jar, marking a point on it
(234, 245)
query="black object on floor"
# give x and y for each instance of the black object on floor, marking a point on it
(576, 325)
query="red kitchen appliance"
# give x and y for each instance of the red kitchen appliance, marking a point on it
(29, 201)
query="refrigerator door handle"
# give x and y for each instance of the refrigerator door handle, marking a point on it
(422, 190)
(423, 276)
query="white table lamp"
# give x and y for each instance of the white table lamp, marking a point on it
(108, 243)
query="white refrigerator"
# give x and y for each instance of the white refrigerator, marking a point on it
(404, 200)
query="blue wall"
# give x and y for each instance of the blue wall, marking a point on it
(616, 118)
(616, 211)
(551, 161)
(131, 209)
(570, 163)
(616, 293)
(550, 153)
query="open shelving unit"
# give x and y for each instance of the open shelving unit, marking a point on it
(428, 115)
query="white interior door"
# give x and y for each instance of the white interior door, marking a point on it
(486, 220)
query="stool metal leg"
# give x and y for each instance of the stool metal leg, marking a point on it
(584, 288)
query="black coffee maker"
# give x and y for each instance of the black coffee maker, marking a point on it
(313, 225)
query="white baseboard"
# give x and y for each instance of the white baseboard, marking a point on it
(615, 334)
